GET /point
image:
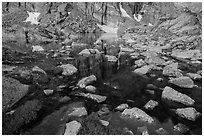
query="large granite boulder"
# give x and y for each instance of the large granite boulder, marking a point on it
(68, 69)
(12, 91)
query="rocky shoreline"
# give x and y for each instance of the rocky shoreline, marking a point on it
(150, 79)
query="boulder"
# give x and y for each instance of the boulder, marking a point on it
(68, 69)
(37, 69)
(187, 54)
(156, 61)
(12, 91)
(122, 107)
(105, 123)
(194, 76)
(48, 91)
(72, 128)
(85, 81)
(104, 110)
(37, 48)
(64, 99)
(78, 111)
(150, 105)
(111, 58)
(143, 70)
(172, 96)
(181, 128)
(97, 98)
(183, 82)
(89, 51)
(188, 113)
(172, 70)
(139, 63)
(138, 114)
(161, 131)
(90, 88)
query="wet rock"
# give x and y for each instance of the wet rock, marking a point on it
(122, 107)
(139, 63)
(48, 91)
(64, 99)
(37, 69)
(149, 91)
(111, 58)
(12, 91)
(172, 70)
(194, 76)
(160, 79)
(183, 82)
(188, 113)
(103, 110)
(105, 123)
(72, 128)
(181, 128)
(97, 98)
(90, 88)
(188, 54)
(172, 96)
(151, 86)
(89, 51)
(143, 130)
(68, 69)
(143, 70)
(161, 131)
(37, 48)
(150, 105)
(136, 113)
(85, 81)
(78, 111)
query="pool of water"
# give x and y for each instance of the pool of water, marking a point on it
(129, 88)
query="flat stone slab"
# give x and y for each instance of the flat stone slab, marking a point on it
(183, 82)
(188, 113)
(72, 128)
(170, 96)
(136, 113)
